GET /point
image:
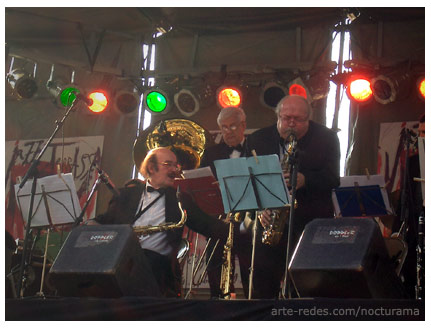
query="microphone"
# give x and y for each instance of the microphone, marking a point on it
(106, 180)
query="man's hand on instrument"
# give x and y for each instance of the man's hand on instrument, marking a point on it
(300, 179)
(264, 217)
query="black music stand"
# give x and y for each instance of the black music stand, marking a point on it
(55, 203)
(252, 183)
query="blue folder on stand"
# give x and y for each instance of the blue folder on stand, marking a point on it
(361, 201)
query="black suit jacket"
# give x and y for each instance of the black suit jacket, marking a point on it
(122, 210)
(319, 161)
(216, 152)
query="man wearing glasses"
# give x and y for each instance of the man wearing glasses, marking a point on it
(153, 202)
(232, 124)
(318, 158)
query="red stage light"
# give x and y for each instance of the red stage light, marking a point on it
(229, 97)
(297, 89)
(421, 87)
(359, 90)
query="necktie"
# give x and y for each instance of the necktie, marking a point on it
(238, 147)
(151, 189)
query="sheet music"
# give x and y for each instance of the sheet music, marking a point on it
(61, 196)
(237, 190)
(198, 173)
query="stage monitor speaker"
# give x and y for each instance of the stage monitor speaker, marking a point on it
(343, 258)
(102, 261)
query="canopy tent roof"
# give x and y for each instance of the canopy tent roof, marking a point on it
(104, 45)
(62, 25)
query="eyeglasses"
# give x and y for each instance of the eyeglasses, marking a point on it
(295, 119)
(170, 164)
(232, 127)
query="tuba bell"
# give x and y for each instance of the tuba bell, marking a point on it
(185, 138)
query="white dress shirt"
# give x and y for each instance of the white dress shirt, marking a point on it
(153, 216)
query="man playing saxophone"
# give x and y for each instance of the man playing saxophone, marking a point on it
(318, 162)
(154, 203)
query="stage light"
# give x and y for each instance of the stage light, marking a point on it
(126, 102)
(22, 83)
(272, 94)
(64, 94)
(228, 96)
(100, 101)
(297, 87)
(359, 89)
(387, 88)
(420, 87)
(157, 101)
(186, 102)
(383, 89)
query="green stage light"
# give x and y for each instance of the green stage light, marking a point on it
(157, 101)
(68, 96)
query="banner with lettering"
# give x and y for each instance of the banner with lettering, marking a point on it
(77, 155)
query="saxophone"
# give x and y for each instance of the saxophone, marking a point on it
(272, 233)
(226, 270)
(148, 230)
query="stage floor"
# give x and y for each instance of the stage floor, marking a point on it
(142, 308)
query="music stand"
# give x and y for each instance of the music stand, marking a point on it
(56, 203)
(202, 186)
(252, 183)
(360, 196)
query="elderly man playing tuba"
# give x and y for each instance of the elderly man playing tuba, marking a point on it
(157, 213)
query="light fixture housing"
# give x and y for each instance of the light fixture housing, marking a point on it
(390, 87)
(272, 93)
(64, 94)
(186, 102)
(126, 102)
(383, 89)
(22, 83)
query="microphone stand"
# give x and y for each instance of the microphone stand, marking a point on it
(87, 202)
(102, 177)
(32, 172)
(293, 162)
(405, 191)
